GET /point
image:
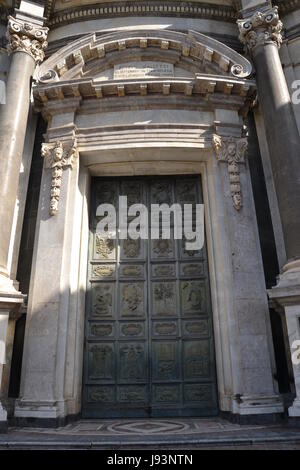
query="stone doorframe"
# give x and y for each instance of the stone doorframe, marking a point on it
(203, 134)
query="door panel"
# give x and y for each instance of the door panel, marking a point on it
(148, 343)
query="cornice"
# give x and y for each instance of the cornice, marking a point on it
(287, 6)
(143, 8)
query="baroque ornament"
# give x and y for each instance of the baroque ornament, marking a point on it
(58, 156)
(27, 37)
(260, 29)
(232, 150)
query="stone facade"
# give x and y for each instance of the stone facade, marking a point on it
(134, 89)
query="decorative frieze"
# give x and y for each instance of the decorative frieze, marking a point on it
(26, 37)
(58, 156)
(232, 151)
(260, 29)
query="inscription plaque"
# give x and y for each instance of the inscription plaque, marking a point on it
(143, 70)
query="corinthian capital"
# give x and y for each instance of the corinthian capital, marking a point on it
(260, 29)
(26, 37)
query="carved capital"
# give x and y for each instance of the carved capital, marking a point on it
(232, 151)
(26, 37)
(58, 156)
(260, 29)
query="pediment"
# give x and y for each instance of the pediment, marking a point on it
(97, 58)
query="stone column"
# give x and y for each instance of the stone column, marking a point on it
(26, 44)
(261, 34)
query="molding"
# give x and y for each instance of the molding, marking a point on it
(287, 6)
(202, 52)
(143, 8)
(260, 29)
(24, 36)
(58, 156)
(232, 151)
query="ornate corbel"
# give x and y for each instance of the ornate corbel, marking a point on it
(26, 37)
(232, 151)
(260, 29)
(58, 156)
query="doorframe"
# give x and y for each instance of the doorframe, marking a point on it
(218, 248)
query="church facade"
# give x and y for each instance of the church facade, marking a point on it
(164, 102)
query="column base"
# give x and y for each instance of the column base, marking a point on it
(287, 295)
(294, 410)
(257, 405)
(10, 298)
(47, 414)
(3, 419)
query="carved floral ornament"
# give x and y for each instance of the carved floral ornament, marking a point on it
(260, 29)
(26, 37)
(58, 156)
(232, 151)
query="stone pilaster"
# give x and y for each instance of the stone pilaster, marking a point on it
(26, 43)
(261, 35)
(51, 380)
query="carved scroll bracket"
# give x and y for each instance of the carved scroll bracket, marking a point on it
(58, 156)
(260, 29)
(27, 37)
(232, 151)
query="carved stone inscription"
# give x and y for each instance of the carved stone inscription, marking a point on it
(143, 70)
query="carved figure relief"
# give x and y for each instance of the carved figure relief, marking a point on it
(132, 361)
(132, 248)
(132, 299)
(232, 151)
(104, 247)
(164, 298)
(103, 300)
(192, 297)
(58, 156)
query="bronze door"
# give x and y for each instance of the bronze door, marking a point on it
(149, 347)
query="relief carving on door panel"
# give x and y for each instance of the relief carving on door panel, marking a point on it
(132, 300)
(101, 330)
(166, 393)
(164, 298)
(161, 193)
(132, 393)
(187, 193)
(132, 329)
(162, 248)
(101, 394)
(198, 393)
(103, 271)
(132, 358)
(104, 247)
(103, 300)
(101, 361)
(196, 359)
(192, 297)
(131, 249)
(165, 360)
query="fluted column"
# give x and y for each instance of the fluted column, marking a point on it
(26, 44)
(261, 34)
